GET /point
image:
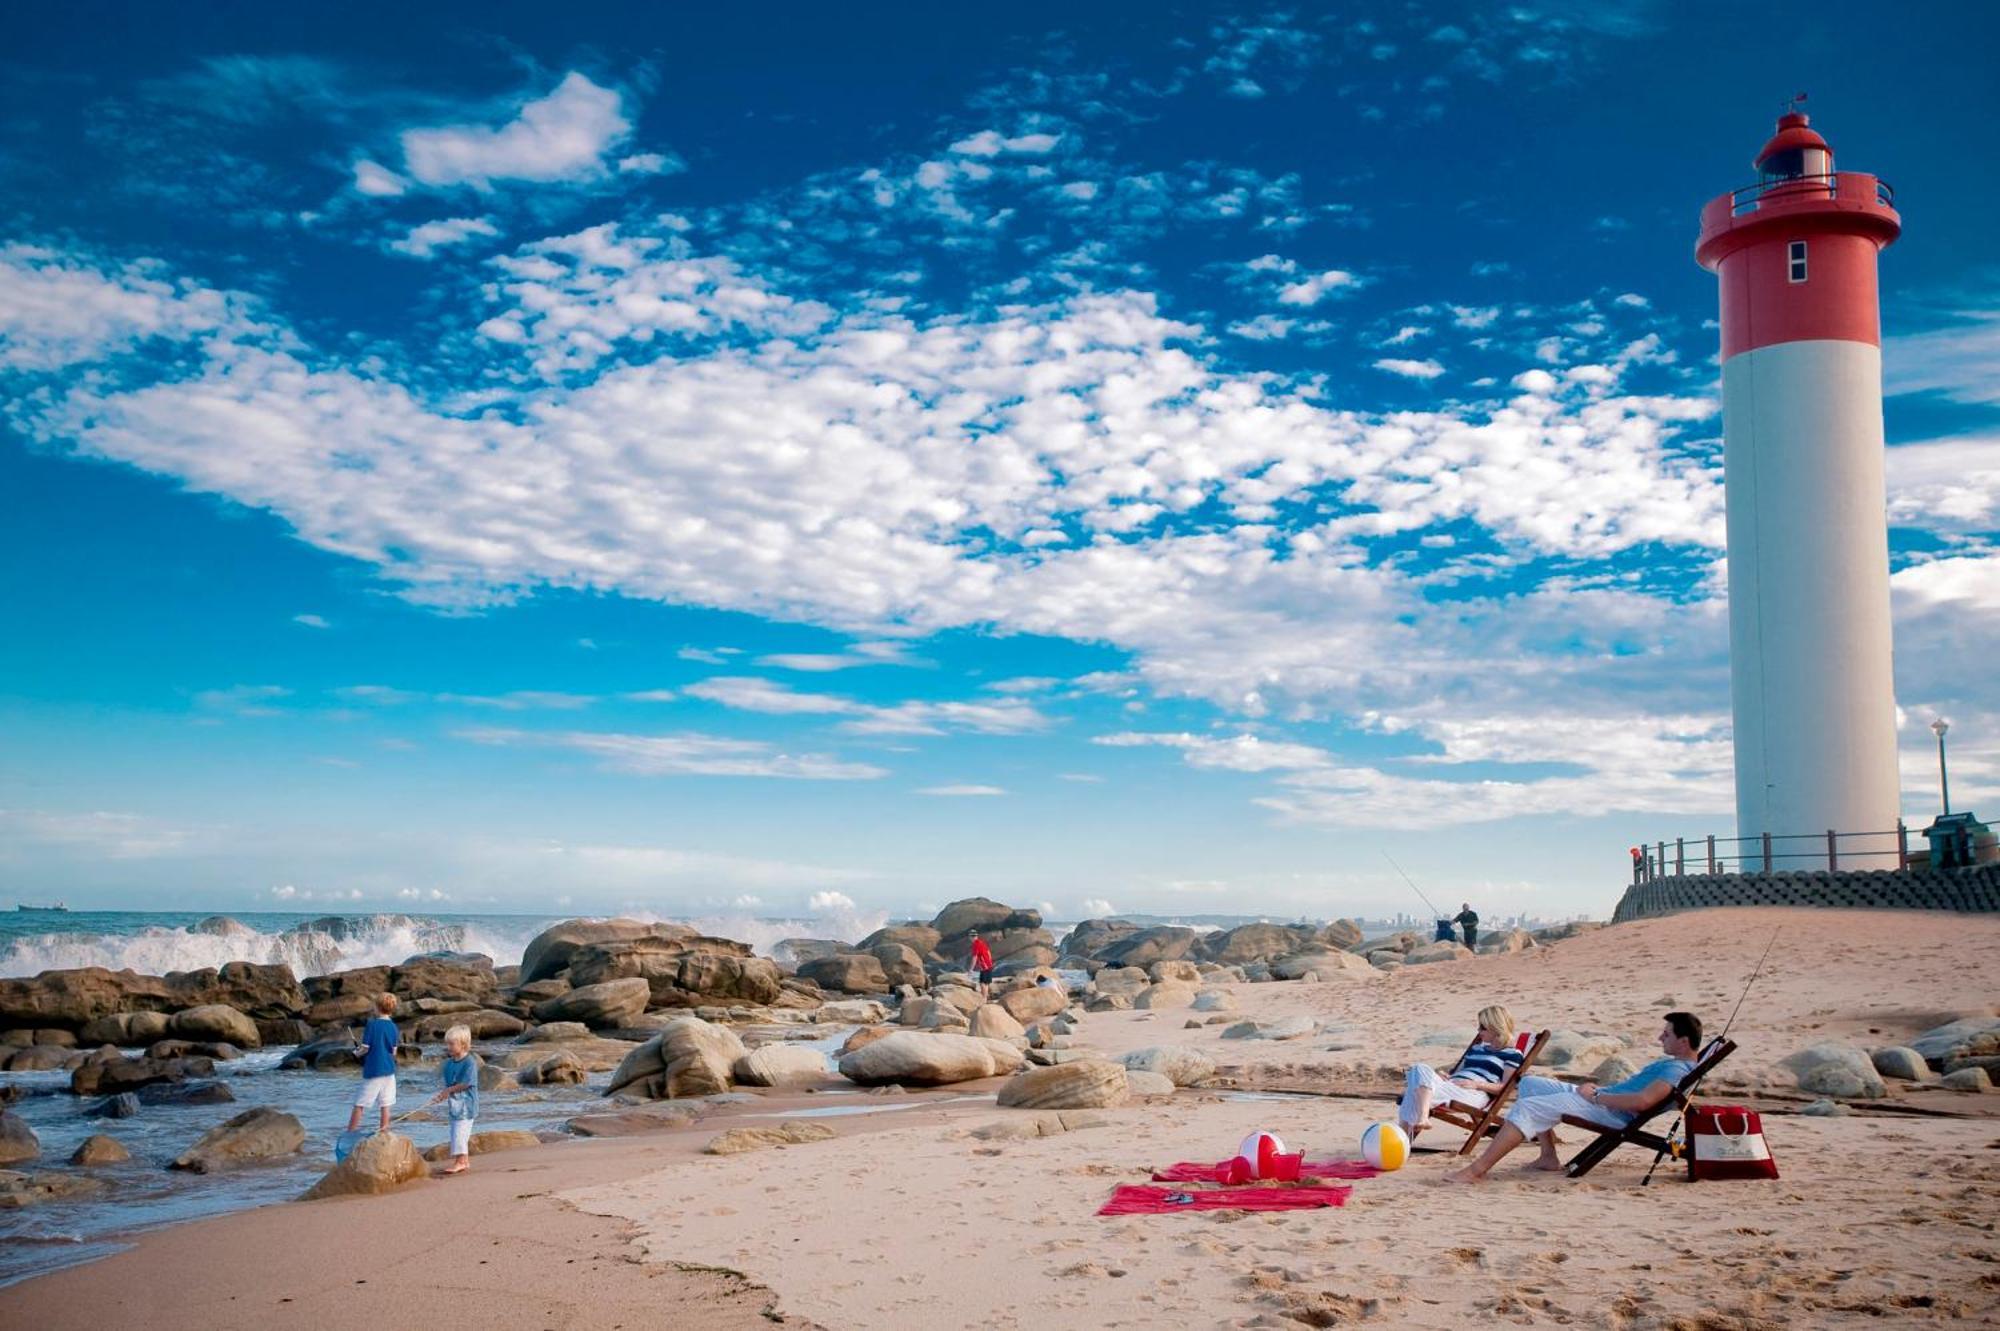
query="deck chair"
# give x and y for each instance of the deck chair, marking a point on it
(1609, 1139)
(1482, 1123)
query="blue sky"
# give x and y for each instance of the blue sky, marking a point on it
(785, 459)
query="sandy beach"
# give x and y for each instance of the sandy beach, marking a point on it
(928, 1217)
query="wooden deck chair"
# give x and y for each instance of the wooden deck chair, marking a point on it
(1482, 1123)
(1609, 1139)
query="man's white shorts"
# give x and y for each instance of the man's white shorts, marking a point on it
(461, 1136)
(377, 1091)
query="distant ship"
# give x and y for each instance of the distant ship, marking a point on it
(52, 906)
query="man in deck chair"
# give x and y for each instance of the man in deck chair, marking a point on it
(1543, 1101)
(1475, 1080)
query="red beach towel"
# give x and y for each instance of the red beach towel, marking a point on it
(1139, 1199)
(1189, 1171)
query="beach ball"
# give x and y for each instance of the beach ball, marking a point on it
(1385, 1146)
(1257, 1151)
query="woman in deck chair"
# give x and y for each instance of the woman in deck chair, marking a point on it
(1477, 1077)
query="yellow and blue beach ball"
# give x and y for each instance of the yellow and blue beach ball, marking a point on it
(1385, 1146)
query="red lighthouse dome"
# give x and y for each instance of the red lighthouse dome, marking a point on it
(1794, 151)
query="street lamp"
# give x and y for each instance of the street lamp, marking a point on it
(1938, 727)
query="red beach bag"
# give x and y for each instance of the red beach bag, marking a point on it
(1727, 1141)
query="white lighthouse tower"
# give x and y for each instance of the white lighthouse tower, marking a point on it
(1809, 654)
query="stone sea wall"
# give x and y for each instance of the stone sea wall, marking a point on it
(1973, 889)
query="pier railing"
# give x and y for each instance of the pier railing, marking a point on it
(1773, 853)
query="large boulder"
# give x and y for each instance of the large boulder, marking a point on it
(360, 982)
(1182, 972)
(255, 1134)
(793, 951)
(900, 965)
(464, 976)
(1126, 980)
(17, 1140)
(1835, 1069)
(1093, 936)
(1437, 951)
(847, 973)
(789, 1133)
(485, 1143)
(1032, 1001)
(380, 1163)
(108, 1072)
(1164, 994)
(991, 1021)
(259, 992)
(1326, 963)
(612, 1003)
(550, 950)
(18, 1189)
(213, 1021)
(74, 998)
(1177, 1063)
(1901, 1061)
(781, 1065)
(1165, 942)
(1955, 1039)
(1573, 1051)
(1339, 933)
(979, 913)
(1085, 1084)
(682, 972)
(688, 1057)
(919, 938)
(1253, 942)
(1506, 942)
(485, 1024)
(556, 1067)
(98, 1149)
(920, 1058)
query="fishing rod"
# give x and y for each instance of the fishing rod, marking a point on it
(1667, 1142)
(1413, 886)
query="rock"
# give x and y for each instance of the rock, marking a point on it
(847, 973)
(793, 951)
(1574, 1050)
(1087, 1084)
(1109, 1003)
(107, 1073)
(1967, 1079)
(332, 1048)
(1953, 1039)
(1091, 937)
(1826, 1109)
(781, 1065)
(1167, 942)
(551, 950)
(18, 1141)
(123, 1105)
(1831, 1068)
(146, 1027)
(979, 913)
(36, 1058)
(1165, 994)
(467, 977)
(554, 1032)
(963, 997)
(864, 1037)
(919, 1058)
(183, 1094)
(1254, 942)
(281, 1031)
(98, 1149)
(688, 1057)
(1438, 951)
(492, 1078)
(1182, 972)
(380, 1163)
(612, 1003)
(255, 1134)
(18, 1189)
(665, 1117)
(108, 1029)
(557, 1068)
(992, 1021)
(214, 1021)
(1613, 1070)
(1126, 980)
(1340, 934)
(1286, 1028)
(347, 1009)
(919, 938)
(485, 1143)
(1147, 1084)
(1328, 964)
(220, 1052)
(696, 971)
(485, 1024)
(1506, 942)
(527, 995)
(1026, 1004)
(854, 1011)
(1214, 1000)
(900, 965)
(1990, 1062)
(1901, 1061)
(789, 1133)
(1177, 1063)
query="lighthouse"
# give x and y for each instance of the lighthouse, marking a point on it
(1809, 656)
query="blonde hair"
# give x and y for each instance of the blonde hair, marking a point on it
(459, 1035)
(1498, 1020)
(385, 1003)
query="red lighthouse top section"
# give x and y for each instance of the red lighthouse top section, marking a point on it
(1796, 251)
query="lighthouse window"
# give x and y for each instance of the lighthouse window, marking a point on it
(1798, 261)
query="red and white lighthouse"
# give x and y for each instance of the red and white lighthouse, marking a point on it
(1809, 652)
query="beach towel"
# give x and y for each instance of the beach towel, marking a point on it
(1139, 1199)
(1191, 1171)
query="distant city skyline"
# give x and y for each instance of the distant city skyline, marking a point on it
(1116, 462)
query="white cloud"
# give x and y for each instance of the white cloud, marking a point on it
(961, 791)
(1095, 908)
(563, 136)
(823, 903)
(1957, 362)
(1010, 716)
(377, 181)
(426, 240)
(1310, 290)
(243, 699)
(683, 754)
(1410, 369)
(312, 621)
(56, 312)
(991, 143)
(99, 834)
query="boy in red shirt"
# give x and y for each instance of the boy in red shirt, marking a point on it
(982, 961)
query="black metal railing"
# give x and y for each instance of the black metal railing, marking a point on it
(1824, 184)
(1772, 853)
